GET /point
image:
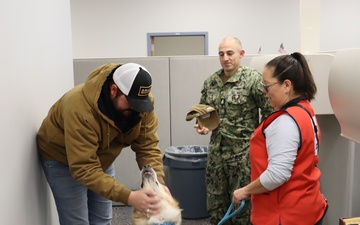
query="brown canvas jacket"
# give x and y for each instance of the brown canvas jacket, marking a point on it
(76, 133)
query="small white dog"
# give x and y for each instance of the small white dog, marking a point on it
(170, 210)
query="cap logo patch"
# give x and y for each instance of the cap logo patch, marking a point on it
(144, 90)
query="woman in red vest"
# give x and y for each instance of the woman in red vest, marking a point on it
(285, 187)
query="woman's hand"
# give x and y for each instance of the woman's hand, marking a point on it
(253, 188)
(239, 195)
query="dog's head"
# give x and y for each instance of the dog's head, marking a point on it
(148, 177)
(170, 211)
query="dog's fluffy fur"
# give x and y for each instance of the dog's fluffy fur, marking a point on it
(170, 211)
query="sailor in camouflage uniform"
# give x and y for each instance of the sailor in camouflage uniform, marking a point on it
(235, 91)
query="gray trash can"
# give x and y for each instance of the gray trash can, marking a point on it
(186, 178)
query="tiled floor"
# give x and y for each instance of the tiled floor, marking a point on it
(122, 216)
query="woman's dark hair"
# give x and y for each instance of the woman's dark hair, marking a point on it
(295, 68)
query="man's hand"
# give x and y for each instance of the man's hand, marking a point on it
(201, 130)
(145, 201)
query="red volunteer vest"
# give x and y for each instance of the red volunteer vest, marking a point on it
(299, 200)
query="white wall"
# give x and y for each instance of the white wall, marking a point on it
(339, 26)
(116, 28)
(310, 25)
(36, 68)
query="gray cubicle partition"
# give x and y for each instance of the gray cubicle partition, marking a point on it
(177, 83)
(176, 87)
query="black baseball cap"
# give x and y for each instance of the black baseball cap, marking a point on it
(135, 82)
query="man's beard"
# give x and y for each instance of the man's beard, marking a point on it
(126, 114)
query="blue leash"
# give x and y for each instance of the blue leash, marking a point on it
(228, 214)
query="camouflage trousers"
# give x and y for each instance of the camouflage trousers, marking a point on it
(226, 171)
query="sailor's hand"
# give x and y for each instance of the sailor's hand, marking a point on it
(201, 130)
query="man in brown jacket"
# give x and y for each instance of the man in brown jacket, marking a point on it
(84, 132)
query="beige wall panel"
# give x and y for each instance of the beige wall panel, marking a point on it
(344, 91)
(320, 64)
(179, 45)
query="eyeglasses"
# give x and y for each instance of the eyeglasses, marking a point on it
(266, 86)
